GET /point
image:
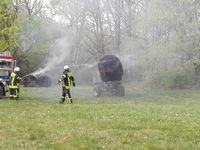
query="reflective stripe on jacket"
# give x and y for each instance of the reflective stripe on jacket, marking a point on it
(14, 80)
(67, 78)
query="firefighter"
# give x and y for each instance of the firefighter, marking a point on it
(67, 79)
(14, 84)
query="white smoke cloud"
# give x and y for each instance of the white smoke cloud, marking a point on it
(59, 51)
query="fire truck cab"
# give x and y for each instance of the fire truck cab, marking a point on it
(7, 65)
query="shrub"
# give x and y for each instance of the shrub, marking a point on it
(178, 79)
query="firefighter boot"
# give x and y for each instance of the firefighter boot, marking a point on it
(17, 96)
(70, 100)
(62, 100)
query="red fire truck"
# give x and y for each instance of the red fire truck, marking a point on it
(7, 64)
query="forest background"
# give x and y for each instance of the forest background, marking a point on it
(157, 41)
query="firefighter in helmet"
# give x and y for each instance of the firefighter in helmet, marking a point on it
(14, 83)
(67, 79)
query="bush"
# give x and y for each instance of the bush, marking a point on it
(171, 79)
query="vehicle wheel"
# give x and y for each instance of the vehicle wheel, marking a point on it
(97, 91)
(120, 91)
(44, 81)
(1, 91)
(30, 81)
(31, 84)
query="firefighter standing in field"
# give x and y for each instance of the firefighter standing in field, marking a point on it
(14, 83)
(67, 79)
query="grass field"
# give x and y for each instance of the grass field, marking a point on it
(146, 120)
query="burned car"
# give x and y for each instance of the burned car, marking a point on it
(36, 81)
(107, 82)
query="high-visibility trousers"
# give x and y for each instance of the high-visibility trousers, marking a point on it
(14, 91)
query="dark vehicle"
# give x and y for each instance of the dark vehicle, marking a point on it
(29, 81)
(108, 80)
(36, 81)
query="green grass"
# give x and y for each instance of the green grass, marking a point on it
(149, 120)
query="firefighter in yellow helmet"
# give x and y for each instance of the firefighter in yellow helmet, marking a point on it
(14, 83)
(67, 79)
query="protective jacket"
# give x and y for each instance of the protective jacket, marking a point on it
(14, 85)
(14, 80)
(67, 79)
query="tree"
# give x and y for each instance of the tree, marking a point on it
(8, 26)
(156, 35)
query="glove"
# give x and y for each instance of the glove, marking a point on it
(19, 78)
(74, 84)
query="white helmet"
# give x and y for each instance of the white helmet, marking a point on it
(16, 69)
(66, 67)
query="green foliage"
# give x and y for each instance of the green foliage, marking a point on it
(158, 35)
(171, 79)
(172, 36)
(29, 62)
(8, 26)
(35, 38)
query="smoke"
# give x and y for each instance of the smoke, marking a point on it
(58, 53)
